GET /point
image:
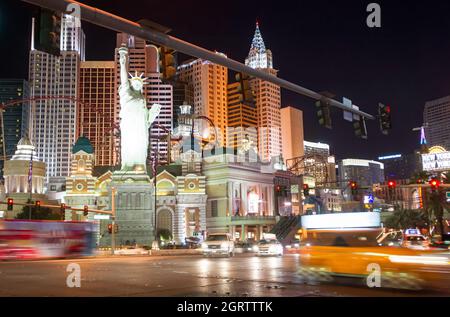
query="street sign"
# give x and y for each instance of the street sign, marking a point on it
(447, 194)
(348, 116)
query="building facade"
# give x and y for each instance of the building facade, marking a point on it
(319, 163)
(292, 132)
(53, 120)
(15, 123)
(364, 172)
(268, 99)
(181, 199)
(401, 166)
(242, 117)
(241, 198)
(24, 176)
(96, 115)
(208, 82)
(436, 117)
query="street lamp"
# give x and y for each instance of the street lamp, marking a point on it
(113, 216)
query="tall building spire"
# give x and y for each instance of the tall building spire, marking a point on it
(259, 56)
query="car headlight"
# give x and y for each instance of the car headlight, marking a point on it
(255, 248)
(224, 246)
(296, 245)
(204, 246)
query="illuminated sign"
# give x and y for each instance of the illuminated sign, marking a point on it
(342, 221)
(368, 199)
(101, 217)
(2, 214)
(390, 157)
(436, 161)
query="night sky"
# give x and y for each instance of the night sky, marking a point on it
(321, 45)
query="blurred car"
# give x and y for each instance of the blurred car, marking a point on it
(331, 254)
(218, 244)
(412, 239)
(243, 247)
(294, 245)
(268, 247)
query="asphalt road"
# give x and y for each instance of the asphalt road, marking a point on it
(190, 276)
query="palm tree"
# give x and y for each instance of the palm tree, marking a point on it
(406, 218)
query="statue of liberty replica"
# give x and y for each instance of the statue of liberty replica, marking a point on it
(131, 188)
(135, 118)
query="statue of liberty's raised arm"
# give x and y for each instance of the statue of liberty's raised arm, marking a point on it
(135, 118)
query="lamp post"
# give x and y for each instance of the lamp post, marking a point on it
(113, 210)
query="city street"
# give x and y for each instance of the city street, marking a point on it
(241, 276)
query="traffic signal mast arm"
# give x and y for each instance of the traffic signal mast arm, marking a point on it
(119, 24)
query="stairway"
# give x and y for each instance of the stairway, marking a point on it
(284, 227)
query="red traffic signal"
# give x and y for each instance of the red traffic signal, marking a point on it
(10, 204)
(85, 211)
(38, 203)
(110, 228)
(435, 183)
(392, 184)
(353, 185)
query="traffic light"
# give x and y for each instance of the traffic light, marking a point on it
(360, 127)
(85, 211)
(324, 113)
(63, 208)
(245, 88)
(167, 62)
(392, 184)
(38, 205)
(110, 228)
(306, 190)
(435, 183)
(10, 204)
(384, 113)
(354, 187)
(278, 188)
(47, 31)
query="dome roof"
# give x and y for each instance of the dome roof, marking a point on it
(83, 144)
(25, 141)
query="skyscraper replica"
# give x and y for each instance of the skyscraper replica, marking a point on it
(96, 117)
(268, 99)
(209, 85)
(53, 121)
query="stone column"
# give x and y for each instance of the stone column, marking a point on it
(179, 234)
(230, 198)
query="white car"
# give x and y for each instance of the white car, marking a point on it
(218, 244)
(269, 247)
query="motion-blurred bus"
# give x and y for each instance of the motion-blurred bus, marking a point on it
(29, 239)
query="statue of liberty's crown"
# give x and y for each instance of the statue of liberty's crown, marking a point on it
(140, 77)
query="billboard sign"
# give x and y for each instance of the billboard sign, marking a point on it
(436, 162)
